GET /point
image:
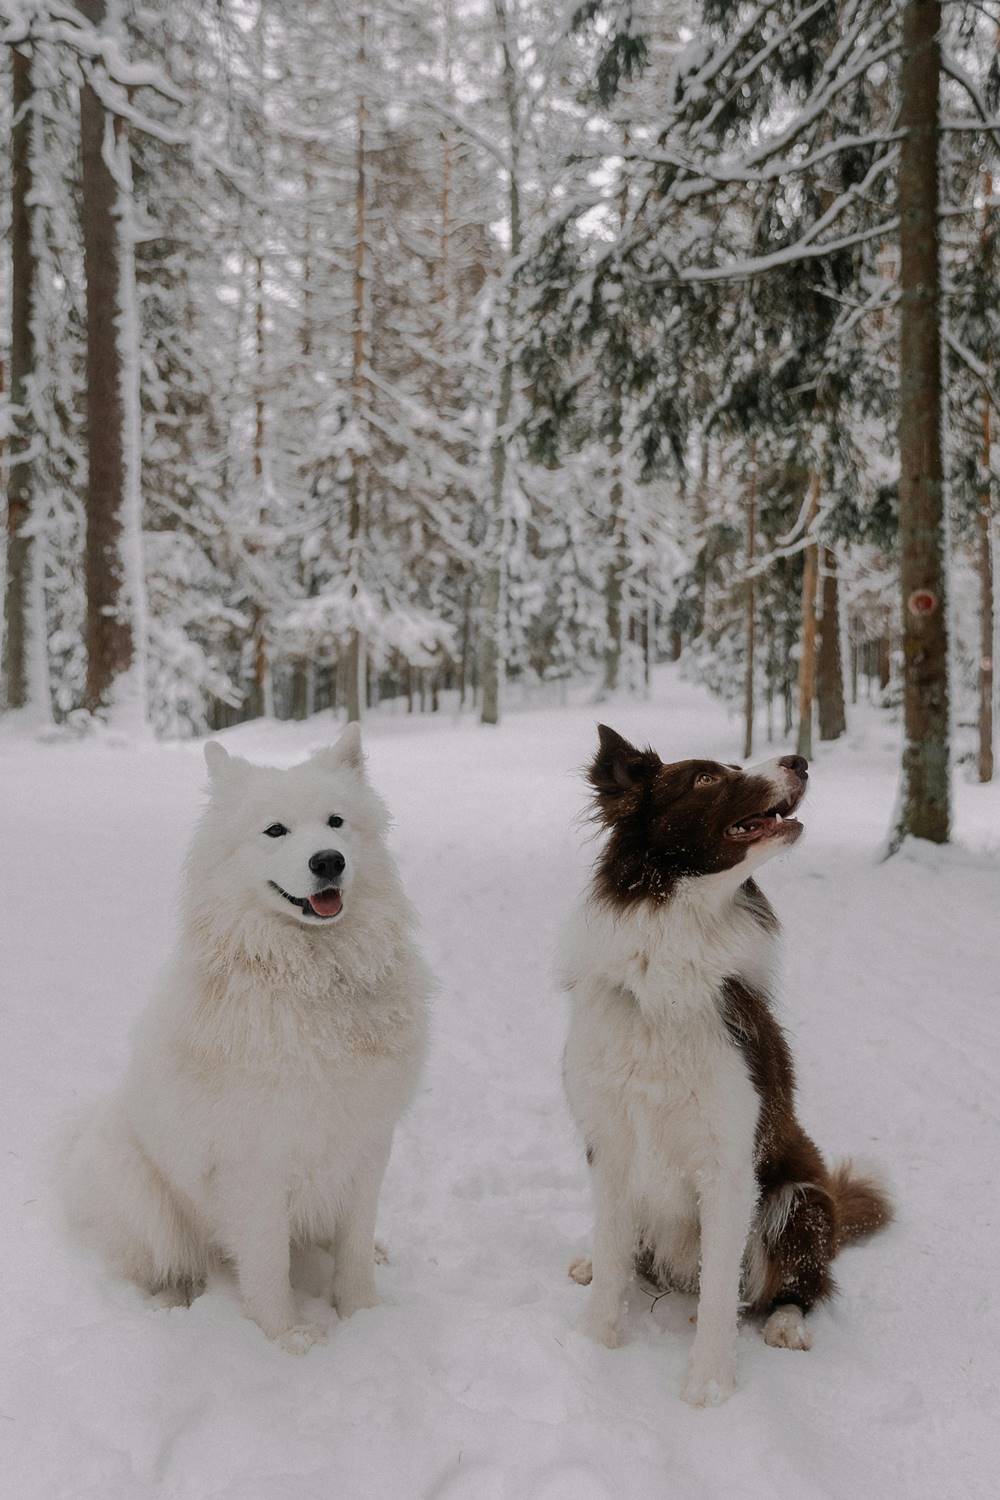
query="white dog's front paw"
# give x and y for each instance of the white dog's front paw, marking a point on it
(350, 1301)
(786, 1328)
(709, 1387)
(581, 1270)
(603, 1328)
(300, 1337)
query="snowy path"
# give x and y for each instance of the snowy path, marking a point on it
(471, 1382)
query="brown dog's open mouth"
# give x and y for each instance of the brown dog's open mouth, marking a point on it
(774, 822)
(766, 825)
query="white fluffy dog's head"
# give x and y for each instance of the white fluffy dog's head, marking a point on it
(292, 844)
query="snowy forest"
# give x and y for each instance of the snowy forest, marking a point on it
(481, 370)
(452, 352)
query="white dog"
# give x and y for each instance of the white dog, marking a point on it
(284, 1042)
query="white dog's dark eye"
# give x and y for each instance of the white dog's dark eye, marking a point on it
(276, 831)
(705, 778)
(334, 821)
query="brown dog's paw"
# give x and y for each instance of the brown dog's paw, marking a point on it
(786, 1328)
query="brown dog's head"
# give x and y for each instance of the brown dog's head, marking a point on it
(688, 818)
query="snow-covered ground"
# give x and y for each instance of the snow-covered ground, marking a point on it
(471, 1381)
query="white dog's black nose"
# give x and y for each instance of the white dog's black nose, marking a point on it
(327, 864)
(796, 763)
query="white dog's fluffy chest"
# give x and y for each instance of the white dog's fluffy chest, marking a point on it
(652, 1075)
(265, 1085)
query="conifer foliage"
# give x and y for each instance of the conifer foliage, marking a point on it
(451, 353)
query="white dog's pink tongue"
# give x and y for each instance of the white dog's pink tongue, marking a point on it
(326, 903)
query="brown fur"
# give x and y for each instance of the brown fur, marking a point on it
(663, 825)
(862, 1206)
(785, 1159)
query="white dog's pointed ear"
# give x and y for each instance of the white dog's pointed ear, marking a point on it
(221, 765)
(347, 752)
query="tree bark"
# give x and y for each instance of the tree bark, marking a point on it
(986, 622)
(829, 666)
(925, 804)
(750, 605)
(883, 662)
(614, 583)
(113, 555)
(699, 511)
(491, 664)
(25, 672)
(356, 674)
(465, 659)
(260, 682)
(614, 586)
(855, 649)
(807, 660)
(984, 760)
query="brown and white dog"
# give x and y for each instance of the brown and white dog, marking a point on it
(677, 1073)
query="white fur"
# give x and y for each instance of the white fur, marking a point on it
(279, 1051)
(786, 1328)
(664, 1100)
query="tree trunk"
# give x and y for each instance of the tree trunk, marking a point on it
(986, 623)
(855, 649)
(491, 664)
(984, 761)
(261, 660)
(700, 516)
(807, 660)
(464, 662)
(750, 605)
(614, 584)
(25, 666)
(356, 674)
(787, 684)
(297, 691)
(925, 804)
(115, 587)
(614, 587)
(829, 666)
(884, 663)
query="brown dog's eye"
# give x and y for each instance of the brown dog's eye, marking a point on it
(705, 778)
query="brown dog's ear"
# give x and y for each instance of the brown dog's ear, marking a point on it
(619, 766)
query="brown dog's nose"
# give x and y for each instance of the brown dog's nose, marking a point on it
(796, 763)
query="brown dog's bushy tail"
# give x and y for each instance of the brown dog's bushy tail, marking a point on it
(863, 1204)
